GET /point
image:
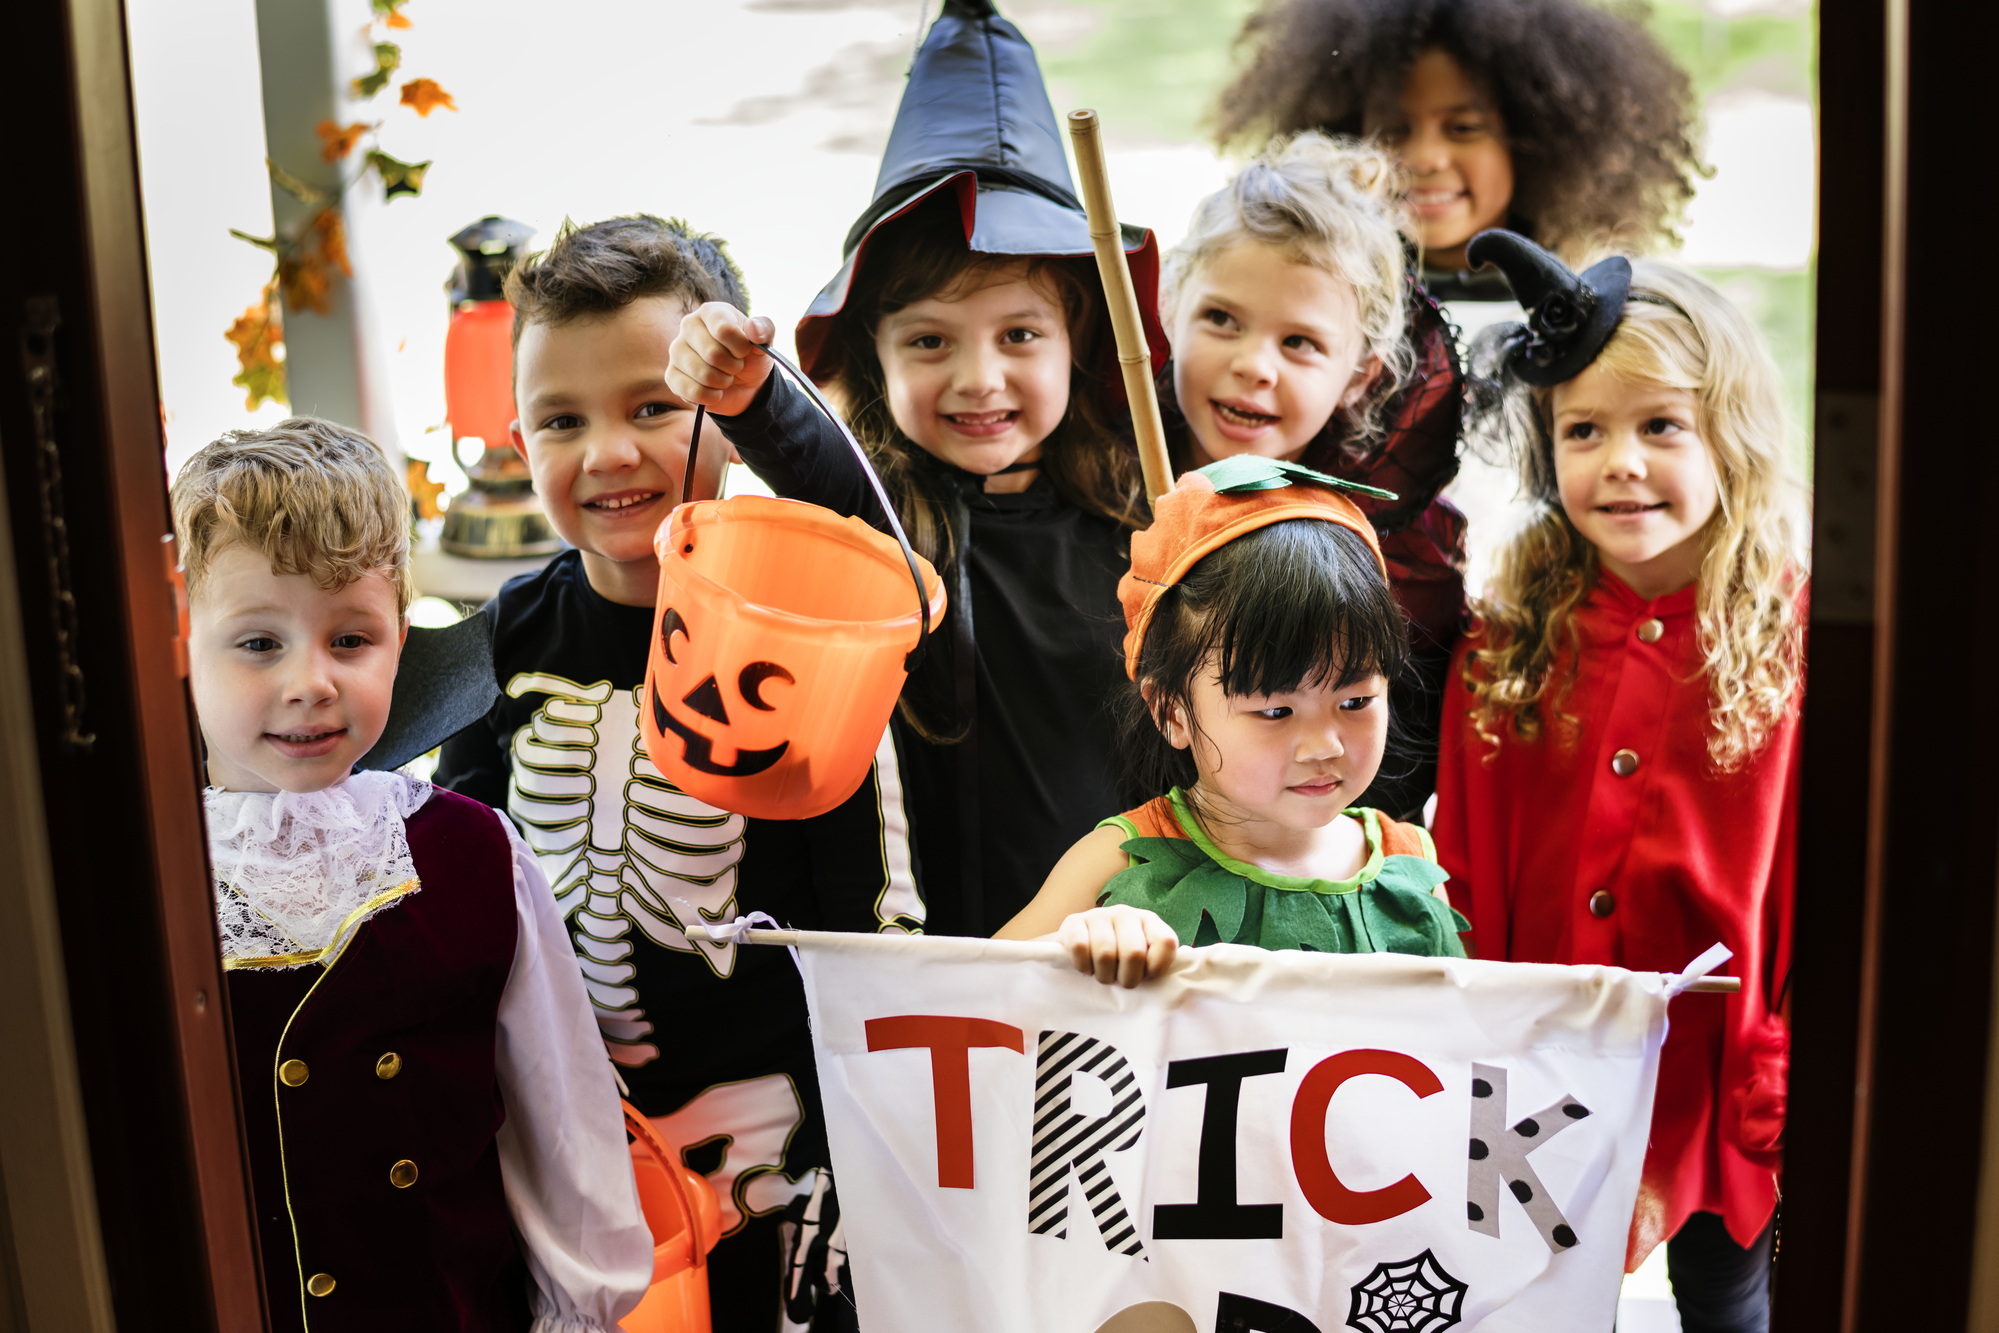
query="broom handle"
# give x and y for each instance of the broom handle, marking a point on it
(1134, 358)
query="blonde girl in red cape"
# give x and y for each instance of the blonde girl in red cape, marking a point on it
(1619, 765)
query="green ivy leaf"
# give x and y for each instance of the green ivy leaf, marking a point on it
(1175, 878)
(398, 177)
(388, 58)
(1247, 472)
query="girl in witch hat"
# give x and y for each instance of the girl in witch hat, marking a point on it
(967, 337)
(1297, 335)
(1261, 639)
(1619, 769)
(1565, 122)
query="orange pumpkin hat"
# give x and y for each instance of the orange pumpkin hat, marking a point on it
(1209, 508)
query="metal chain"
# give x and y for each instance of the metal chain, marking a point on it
(38, 366)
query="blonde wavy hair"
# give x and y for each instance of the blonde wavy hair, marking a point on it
(315, 498)
(1677, 331)
(1330, 203)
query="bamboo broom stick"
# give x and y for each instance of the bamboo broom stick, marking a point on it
(1134, 358)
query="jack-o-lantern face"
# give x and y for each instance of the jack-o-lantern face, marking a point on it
(705, 699)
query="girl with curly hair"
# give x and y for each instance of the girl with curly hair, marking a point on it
(1557, 119)
(1618, 775)
(1298, 335)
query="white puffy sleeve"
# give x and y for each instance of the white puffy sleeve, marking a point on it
(563, 1159)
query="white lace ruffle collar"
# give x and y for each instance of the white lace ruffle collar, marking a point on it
(296, 873)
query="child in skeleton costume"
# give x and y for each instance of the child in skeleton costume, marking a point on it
(1619, 773)
(710, 1037)
(1298, 335)
(965, 336)
(433, 1130)
(1262, 639)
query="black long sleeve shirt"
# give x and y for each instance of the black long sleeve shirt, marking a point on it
(1043, 577)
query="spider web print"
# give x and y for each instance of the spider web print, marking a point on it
(1414, 1296)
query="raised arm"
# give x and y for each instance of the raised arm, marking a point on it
(718, 361)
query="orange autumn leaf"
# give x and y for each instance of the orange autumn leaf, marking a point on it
(258, 336)
(424, 96)
(330, 229)
(397, 19)
(423, 491)
(339, 142)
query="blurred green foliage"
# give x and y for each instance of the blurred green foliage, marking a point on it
(1774, 52)
(1151, 68)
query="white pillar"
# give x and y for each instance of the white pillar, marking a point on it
(311, 51)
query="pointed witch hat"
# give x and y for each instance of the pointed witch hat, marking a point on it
(975, 121)
(1570, 316)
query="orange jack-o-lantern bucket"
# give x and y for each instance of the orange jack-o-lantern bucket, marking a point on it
(781, 639)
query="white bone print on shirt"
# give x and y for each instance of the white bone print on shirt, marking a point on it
(621, 845)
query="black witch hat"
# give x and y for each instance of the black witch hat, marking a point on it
(975, 121)
(1570, 316)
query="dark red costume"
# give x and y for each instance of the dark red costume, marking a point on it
(371, 1104)
(1617, 842)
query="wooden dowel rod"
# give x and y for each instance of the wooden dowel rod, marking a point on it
(1706, 985)
(1134, 357)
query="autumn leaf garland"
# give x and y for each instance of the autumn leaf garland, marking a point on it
(305, 259)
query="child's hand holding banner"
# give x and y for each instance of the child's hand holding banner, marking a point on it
(1277, 1141)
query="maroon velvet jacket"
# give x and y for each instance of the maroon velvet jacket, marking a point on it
(398, 1042)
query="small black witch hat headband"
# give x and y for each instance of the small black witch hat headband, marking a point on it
(1570, 316)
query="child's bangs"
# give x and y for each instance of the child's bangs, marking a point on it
(1307, 606)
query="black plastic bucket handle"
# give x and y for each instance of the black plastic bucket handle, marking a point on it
(867, 469)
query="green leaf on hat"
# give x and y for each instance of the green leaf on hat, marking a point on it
(1248, 472)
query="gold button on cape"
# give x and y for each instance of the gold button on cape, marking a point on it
(403, 1174)
(320, 1284)
(1624, 763)
(389, 1066)
(1650, 631)
(1602, 903)
(293, 1073)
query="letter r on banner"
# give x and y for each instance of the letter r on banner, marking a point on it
(950, 1041)
(1065, 1138)
(1330, 1198)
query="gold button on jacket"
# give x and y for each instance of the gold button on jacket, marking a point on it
(403, 1174)
(389, 1066)
(1624, 763)
(293, 1073)
(320, 1284)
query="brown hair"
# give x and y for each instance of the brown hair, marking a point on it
(1091, 462)
(1598, 119)
(604, 267)
(317, 499)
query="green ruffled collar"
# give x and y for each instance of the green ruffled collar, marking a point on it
(1208, 897)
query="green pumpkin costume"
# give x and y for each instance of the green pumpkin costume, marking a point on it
(1209, 897)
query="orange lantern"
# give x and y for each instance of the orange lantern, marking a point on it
(782, 636)
(686, 1220)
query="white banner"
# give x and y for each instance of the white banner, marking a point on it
(1285, 1142)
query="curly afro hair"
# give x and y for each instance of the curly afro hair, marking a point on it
(1598, 118)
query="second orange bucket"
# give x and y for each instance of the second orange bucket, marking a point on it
(778, 649)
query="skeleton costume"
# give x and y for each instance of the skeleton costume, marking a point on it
(710, 1037)
(434, 1135)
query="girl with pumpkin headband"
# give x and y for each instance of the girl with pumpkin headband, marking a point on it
(1618, 776)
(1261, 641)
(965, 337)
